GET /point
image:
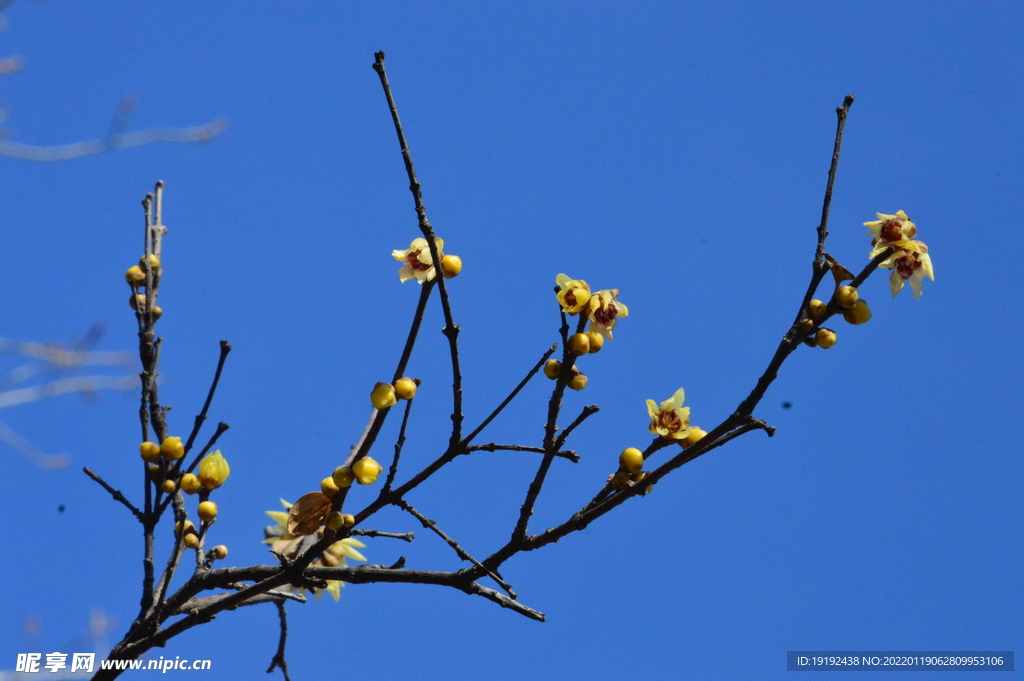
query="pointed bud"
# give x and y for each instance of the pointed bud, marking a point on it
(172, 448)
(214, 470)
(383, 396)
(405, 388)
(366, 470)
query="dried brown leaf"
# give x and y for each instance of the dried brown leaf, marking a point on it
(308, 513)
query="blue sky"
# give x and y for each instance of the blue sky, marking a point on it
(676, 152)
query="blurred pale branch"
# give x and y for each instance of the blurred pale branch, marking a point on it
(49, 359)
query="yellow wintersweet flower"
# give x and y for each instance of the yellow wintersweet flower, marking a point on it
(604, 310)
(909, 259)
(574, 295)
(671, 420)
(340, 550)
(214, 470)
(912, 264)
(418, 262)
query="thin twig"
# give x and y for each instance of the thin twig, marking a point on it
(225, 348)
(398, 446)
(405, 536)
(278, 659)
(462, 553)
(569, 454)
(587, 412)
(522, 384)
(118, 496)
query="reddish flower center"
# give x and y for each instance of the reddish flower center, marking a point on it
(413, 260)
(908, 265)
(670, 421)
(890, 230)
(604, 316)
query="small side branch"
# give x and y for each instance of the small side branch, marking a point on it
(569, 454)
(511, 396)
(225, 348)
(404, 536)
(279, 660)
(118, 496)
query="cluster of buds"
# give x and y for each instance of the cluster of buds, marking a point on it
(577, 379)
(909, 260)
(136, 277)
(418, 264)
(213, 472)
(631, 463)
(386, 395)
(365, 471)
(854, 308)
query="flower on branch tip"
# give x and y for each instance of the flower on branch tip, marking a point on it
(214, 470)
(603, 310)
(418, 263)
(909, 260)
(671, 420)
(366, 470)
(574, 295)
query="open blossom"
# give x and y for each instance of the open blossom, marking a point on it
(671, 420)
(604, 310)
(574, 295)
(418, 263)
(909, 260)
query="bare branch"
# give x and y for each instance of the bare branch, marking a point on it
(118, 496)
(522, 384)
(493, 447)
(225, 348)
(278, 660)
(405, 536)
(74, 384)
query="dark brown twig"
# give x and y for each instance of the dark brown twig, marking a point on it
(494, 447)
(404, 536)
(278, 659)
(118, 496)
(522, 384)
(225, 348)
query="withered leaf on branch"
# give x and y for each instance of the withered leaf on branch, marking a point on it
(838, 271)
(308, 513)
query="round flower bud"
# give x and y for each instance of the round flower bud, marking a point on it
(695, 434)
(214, 470)
(596, 341)
(135, 276)
(816, 308)
(137, 301)
(154, 471)
(846, 296)
(806, 324)
(158, 312)
(405, 388)
(168, 486)
(366, 470)
(220, 552)
(826, 338)
(578, 382)
(190, 483)
(343, 477)
(150, 451)
(451, 265)
(328, 487)
(189, 527)
(858, 314)
(579, 344)
(207, 510)
(172, 448)
(383, 396)
(631, 460)
(154, 262)
(349, 519)
(335, 521)
(191, 541)
(553, 369)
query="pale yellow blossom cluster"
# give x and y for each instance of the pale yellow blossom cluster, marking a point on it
(909, 260)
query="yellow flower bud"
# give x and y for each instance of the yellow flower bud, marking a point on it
(172, 448)
(553, 369)
(191, 541)
(328, 487)
(631, 460)
(189, 527)
(150, 451)
(220, 552)
(135, 276)
(153, 262)
(137, 301)
(214, 470)
(578, 382)
(846, 296)
(158, 312)
(826, 338)
(694, 435)
(579, 344)
(366, 470)
(349, 519)
(858, 314)
(154, 471)
(343, 477)
(638, 476)
(335, 521)
(451, 265)
(207, 510)
(168, 486)
(596, 341)
(405, 388)
(383, 396)
(816, 308)
(190, 483)
(619, 480)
